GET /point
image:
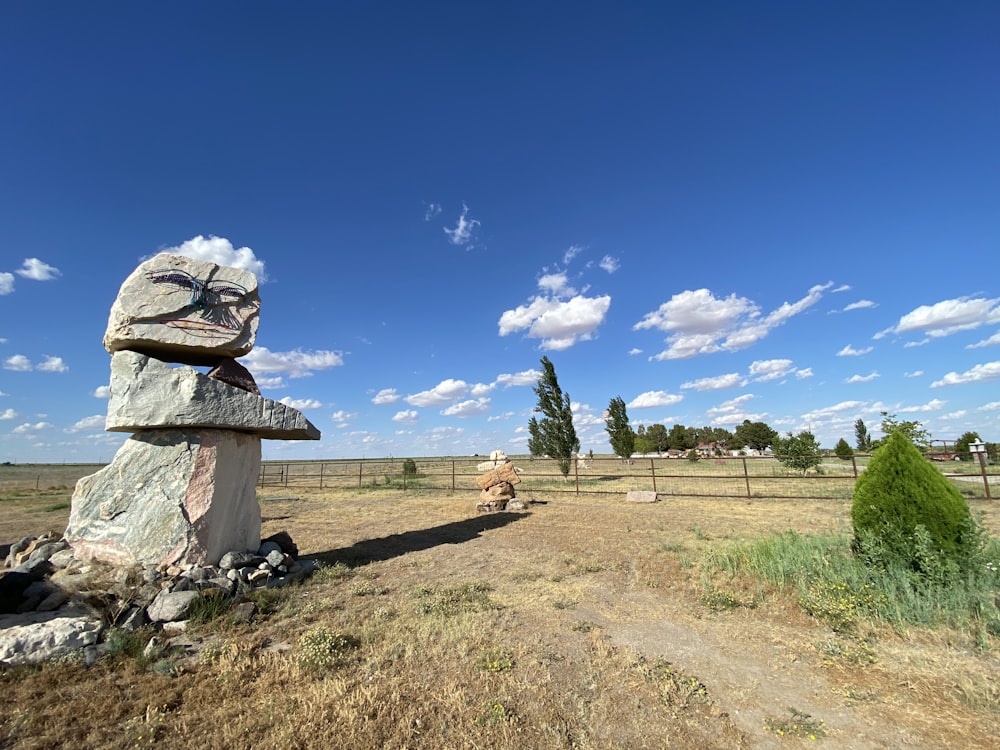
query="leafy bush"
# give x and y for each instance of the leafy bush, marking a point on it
(907, 514)
(843, 450)
(409, 468)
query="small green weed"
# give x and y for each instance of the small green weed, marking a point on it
(495, 659)
(678, 689)
(720, 600)
(856, 651)
(839, 604)
(799, 724)
(452, 600)
(322, 649)
(495, 712)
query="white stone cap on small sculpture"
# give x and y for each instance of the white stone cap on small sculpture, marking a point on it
(184, 310)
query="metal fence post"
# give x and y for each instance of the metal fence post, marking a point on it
(746, 476)
(361, 468)
(453, 475)
(576, 473)
(652, 471)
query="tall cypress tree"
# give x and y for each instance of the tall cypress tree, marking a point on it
(553, 435)
(620, 433)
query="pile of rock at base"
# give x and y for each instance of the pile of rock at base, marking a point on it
(52, 604)
(497, 487)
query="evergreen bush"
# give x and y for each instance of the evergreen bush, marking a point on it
(907, 514)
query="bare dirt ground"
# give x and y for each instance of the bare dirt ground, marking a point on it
(596, 595)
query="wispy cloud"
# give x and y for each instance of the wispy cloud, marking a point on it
(9, 414)
(431, 210)
(408, 416)
(6, 283)
(862, 378)
(296, 363)
(609, 264)
(993, 340)
(716, 383)
(469, 408)
(525, 377)
(342, 419)
(764, 370)
(850, 351)
(697, 322)
(983, 373)
(861, 304)
(947, 317)
(465, 228)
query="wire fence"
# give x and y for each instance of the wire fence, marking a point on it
(735, 477)
(725, 477)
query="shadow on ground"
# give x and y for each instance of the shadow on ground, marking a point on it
(396, 545)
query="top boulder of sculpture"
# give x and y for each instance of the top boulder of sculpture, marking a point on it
(178, 309)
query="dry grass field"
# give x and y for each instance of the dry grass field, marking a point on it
(586, 622)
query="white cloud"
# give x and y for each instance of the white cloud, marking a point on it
(634, 351)
(571, 253)
(445, 392)
(828, 412)
(270, 382)
(728, 407)
(729, 380)
(609, 264)
(102, 391)
(850, 351)
(432, 210)
(34, 269)
(8, 414)
(468, 408)
(300, 403)
(932, 405)
(950, 316)
(499, 417)
(763, 370)
(96, 422)
(559, 324)
(861, 304)
(805, 372)
(650, 399)
(991, 341)
(409, 416)
(343, 418)
(556, 284)
(862, 378)
(52, 364)
(914, 374)
(17, 363)
(983, 373)
(219, 250)
(525, 377)
(699, 323)
(296, 363)
(991, 406)
(6, 283)
(27, 427)
(464, 229)
(386, 396)
(481, 389)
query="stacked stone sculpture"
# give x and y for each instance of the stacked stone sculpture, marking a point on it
(497, 487)
(182, 489)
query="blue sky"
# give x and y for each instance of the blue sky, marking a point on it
(777, 211)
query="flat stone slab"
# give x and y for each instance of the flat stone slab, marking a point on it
(185, 310)
(641, 496)
(38, 636)
(148, 394)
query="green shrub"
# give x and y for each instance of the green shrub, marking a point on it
(409, 467)
(907, 514)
